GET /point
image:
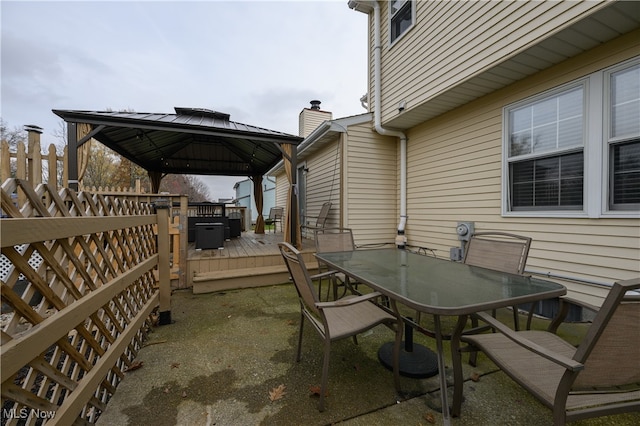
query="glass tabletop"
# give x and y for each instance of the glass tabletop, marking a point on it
(436, 285)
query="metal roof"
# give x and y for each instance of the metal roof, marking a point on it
(192, 141)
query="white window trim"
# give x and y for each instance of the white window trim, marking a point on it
(596, 149)
(413, 22)
(605, 163)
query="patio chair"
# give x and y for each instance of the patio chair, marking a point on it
(329, 240)
(599, 377)
(275, 217)
(500, 251)
(320, 220)
(336, 320)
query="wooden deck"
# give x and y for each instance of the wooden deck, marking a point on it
(249, 261)
(249, 244)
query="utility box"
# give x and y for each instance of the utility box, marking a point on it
(455, 254)
(209, 236)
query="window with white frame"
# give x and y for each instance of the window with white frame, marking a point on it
(546, 142)
(557, 144)
(623, 138)
(401, 17)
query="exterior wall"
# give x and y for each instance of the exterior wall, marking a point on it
(282, 189)
(323, 183)
(363, 189)
(245, 198)
(371, 185)
(268, 197)
(421, 65)
(454, 174)
(310, 119)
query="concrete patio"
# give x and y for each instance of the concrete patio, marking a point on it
(225, 352)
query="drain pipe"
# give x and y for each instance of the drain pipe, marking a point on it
(367, 7)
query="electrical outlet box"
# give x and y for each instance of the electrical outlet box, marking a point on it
(455, 254)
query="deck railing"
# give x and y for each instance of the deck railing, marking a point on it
(83, 277)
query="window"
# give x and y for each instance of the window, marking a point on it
(624, 139)
(546, 161)
(575, 150)
(401, 16)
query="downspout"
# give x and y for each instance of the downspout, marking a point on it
(367, 7)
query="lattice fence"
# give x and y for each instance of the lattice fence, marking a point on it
(79, 290)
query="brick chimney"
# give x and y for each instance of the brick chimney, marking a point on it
(311, 118)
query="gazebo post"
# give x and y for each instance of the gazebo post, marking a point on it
(293, 212)
(164, 272)
(72, 153)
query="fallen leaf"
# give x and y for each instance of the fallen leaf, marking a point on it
(134, 366)
(475, 376)
(430, 418)
(166, 390)
(315, 391)
(277, 393)
(175, 364)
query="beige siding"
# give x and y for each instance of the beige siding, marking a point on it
(454, 174)
(371, 186)
(323, 183)
(481, 34)
(282, 189)
(310, 119)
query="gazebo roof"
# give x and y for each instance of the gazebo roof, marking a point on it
(191, 141)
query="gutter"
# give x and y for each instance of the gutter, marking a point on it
(368, 7)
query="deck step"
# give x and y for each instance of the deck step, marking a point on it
(212, 281)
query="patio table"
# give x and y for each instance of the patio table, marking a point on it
(439, 287)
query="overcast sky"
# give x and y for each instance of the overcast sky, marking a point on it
(260, 61)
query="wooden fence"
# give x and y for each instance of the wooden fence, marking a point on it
(28, 164)
(36, 167)
(83, 278)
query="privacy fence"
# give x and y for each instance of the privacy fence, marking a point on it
(83, 277)
(26, 161)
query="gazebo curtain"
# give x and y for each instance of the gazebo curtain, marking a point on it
(84, 152)
(288, 151)
(257, 193)
(155, 178)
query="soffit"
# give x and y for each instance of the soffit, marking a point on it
(608, 23)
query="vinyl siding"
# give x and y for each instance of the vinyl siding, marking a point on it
(371, 186)
(323, 183)
(363, 190)
(453, 41)
(282, 189)
(310, 119)
(454, 174)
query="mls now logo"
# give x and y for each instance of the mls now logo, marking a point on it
(24, 413)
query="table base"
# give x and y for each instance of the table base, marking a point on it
(418, 363)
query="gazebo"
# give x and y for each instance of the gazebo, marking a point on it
(193, 141)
